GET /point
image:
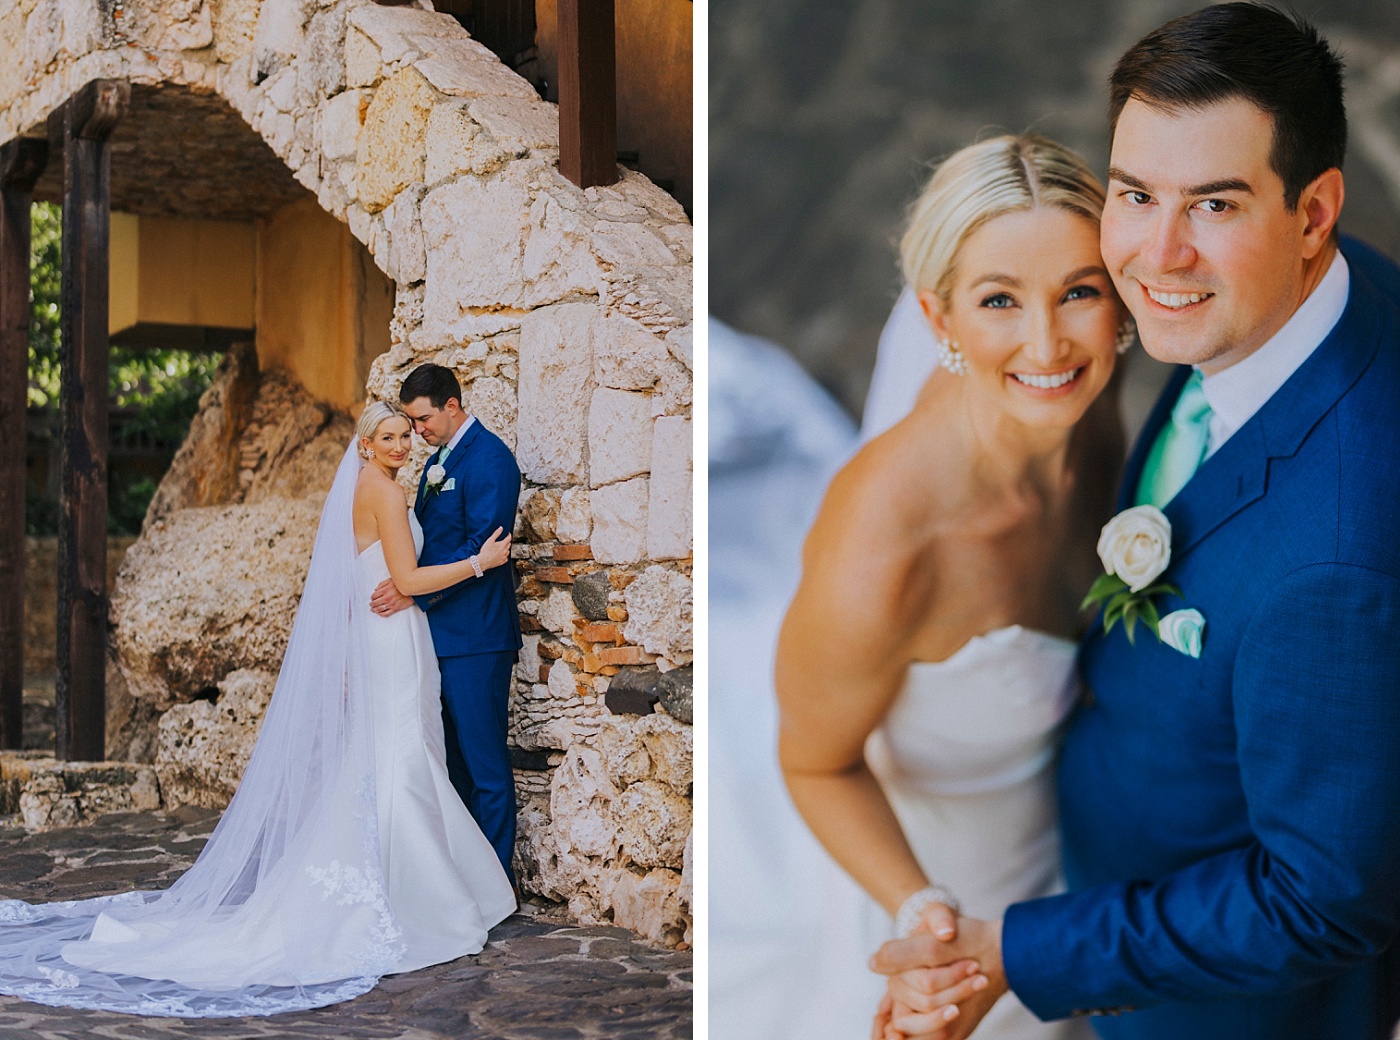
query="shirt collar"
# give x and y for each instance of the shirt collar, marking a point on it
(1236, 393)
(452, 444)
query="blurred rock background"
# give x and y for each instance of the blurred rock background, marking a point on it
(825, 116)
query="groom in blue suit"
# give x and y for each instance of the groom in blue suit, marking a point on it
(1231, 820)
(475, 624)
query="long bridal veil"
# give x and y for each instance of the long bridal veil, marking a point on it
(285, 908)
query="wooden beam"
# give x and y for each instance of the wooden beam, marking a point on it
(89, 116)
(21, 163)
(587, 92)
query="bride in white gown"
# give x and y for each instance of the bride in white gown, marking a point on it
(927, 659)
(345, 854)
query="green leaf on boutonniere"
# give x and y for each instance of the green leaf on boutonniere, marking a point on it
(1107, 585)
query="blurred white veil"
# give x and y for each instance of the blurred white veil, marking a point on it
(285, 908)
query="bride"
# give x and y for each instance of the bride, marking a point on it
(928, 657)
(345, 854)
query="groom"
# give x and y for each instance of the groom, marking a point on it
(475, 625)
(1231, 822)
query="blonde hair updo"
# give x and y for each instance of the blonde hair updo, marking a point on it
(982, 181)
(375, 413)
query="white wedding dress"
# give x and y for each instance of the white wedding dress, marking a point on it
(344, 856)
(965, 756)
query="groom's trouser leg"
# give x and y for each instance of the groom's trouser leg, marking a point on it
(476, 695)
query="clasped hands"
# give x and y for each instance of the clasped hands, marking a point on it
(943, 978)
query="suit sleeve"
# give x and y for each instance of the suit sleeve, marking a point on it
(491, 503)
(1316, 696)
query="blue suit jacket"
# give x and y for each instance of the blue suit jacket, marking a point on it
(479, 615)
(1232, 823)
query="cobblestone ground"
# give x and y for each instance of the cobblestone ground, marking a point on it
(539, 978)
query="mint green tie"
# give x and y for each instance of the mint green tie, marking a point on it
(446, 451)
(1180, 447)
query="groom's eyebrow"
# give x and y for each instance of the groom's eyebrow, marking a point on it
(1217, 187)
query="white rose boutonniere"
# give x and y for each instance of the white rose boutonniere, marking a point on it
(436, 473)
(1136, 545)
(1136, 549)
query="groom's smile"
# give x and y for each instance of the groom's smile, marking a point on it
(1197, 235)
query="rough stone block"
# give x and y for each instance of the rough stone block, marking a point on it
(580, 796)
(557, 612)
(575, 520)
(669, 510)
(340, 124)
(556, 381)
(519, 124)
(66, 794)
(659, 613)
(393, 139)
(362, 65)
(620, 521)
(590, 595)
(475, 231)
(633, 691)
(464, 68)
(204, 747)
(408, 257)
(559, 259)
(619, 436)
(626, 355)
(653, 822)
(677, 693)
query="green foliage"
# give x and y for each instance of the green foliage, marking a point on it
(45, 283)
(153, 394)
(1127, 606)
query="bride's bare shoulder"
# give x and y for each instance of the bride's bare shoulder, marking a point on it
(375, 489)
(898, 485)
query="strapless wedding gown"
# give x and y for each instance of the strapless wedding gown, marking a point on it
(965, 756)
(445, 884)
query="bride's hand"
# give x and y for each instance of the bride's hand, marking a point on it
(495, 551)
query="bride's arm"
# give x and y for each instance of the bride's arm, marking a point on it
(840, 663)
(387, 503)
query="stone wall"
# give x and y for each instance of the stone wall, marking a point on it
(566, 314)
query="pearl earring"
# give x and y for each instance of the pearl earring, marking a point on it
(951, 358)
(1127, 332)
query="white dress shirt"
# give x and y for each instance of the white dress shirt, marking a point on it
(452, 444)
(1236, 393)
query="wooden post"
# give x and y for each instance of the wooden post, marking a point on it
(21, 163)
(89, 117)
(587, 92)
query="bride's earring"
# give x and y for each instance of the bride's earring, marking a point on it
(1127, 332)
(951, 358)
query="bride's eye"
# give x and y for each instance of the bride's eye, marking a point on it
(1082, 292)
(998, 301)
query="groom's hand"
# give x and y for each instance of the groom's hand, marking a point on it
(922, 998)
(387, 599)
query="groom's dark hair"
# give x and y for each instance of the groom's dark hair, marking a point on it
(436, 383)
(1274, 60)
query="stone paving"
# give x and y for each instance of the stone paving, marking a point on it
(539, 978)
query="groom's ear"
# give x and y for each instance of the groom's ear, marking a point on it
(934, 312)
(1319, 206)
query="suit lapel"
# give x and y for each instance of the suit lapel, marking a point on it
(1237, 474)
(420, 501)
(454, 461)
